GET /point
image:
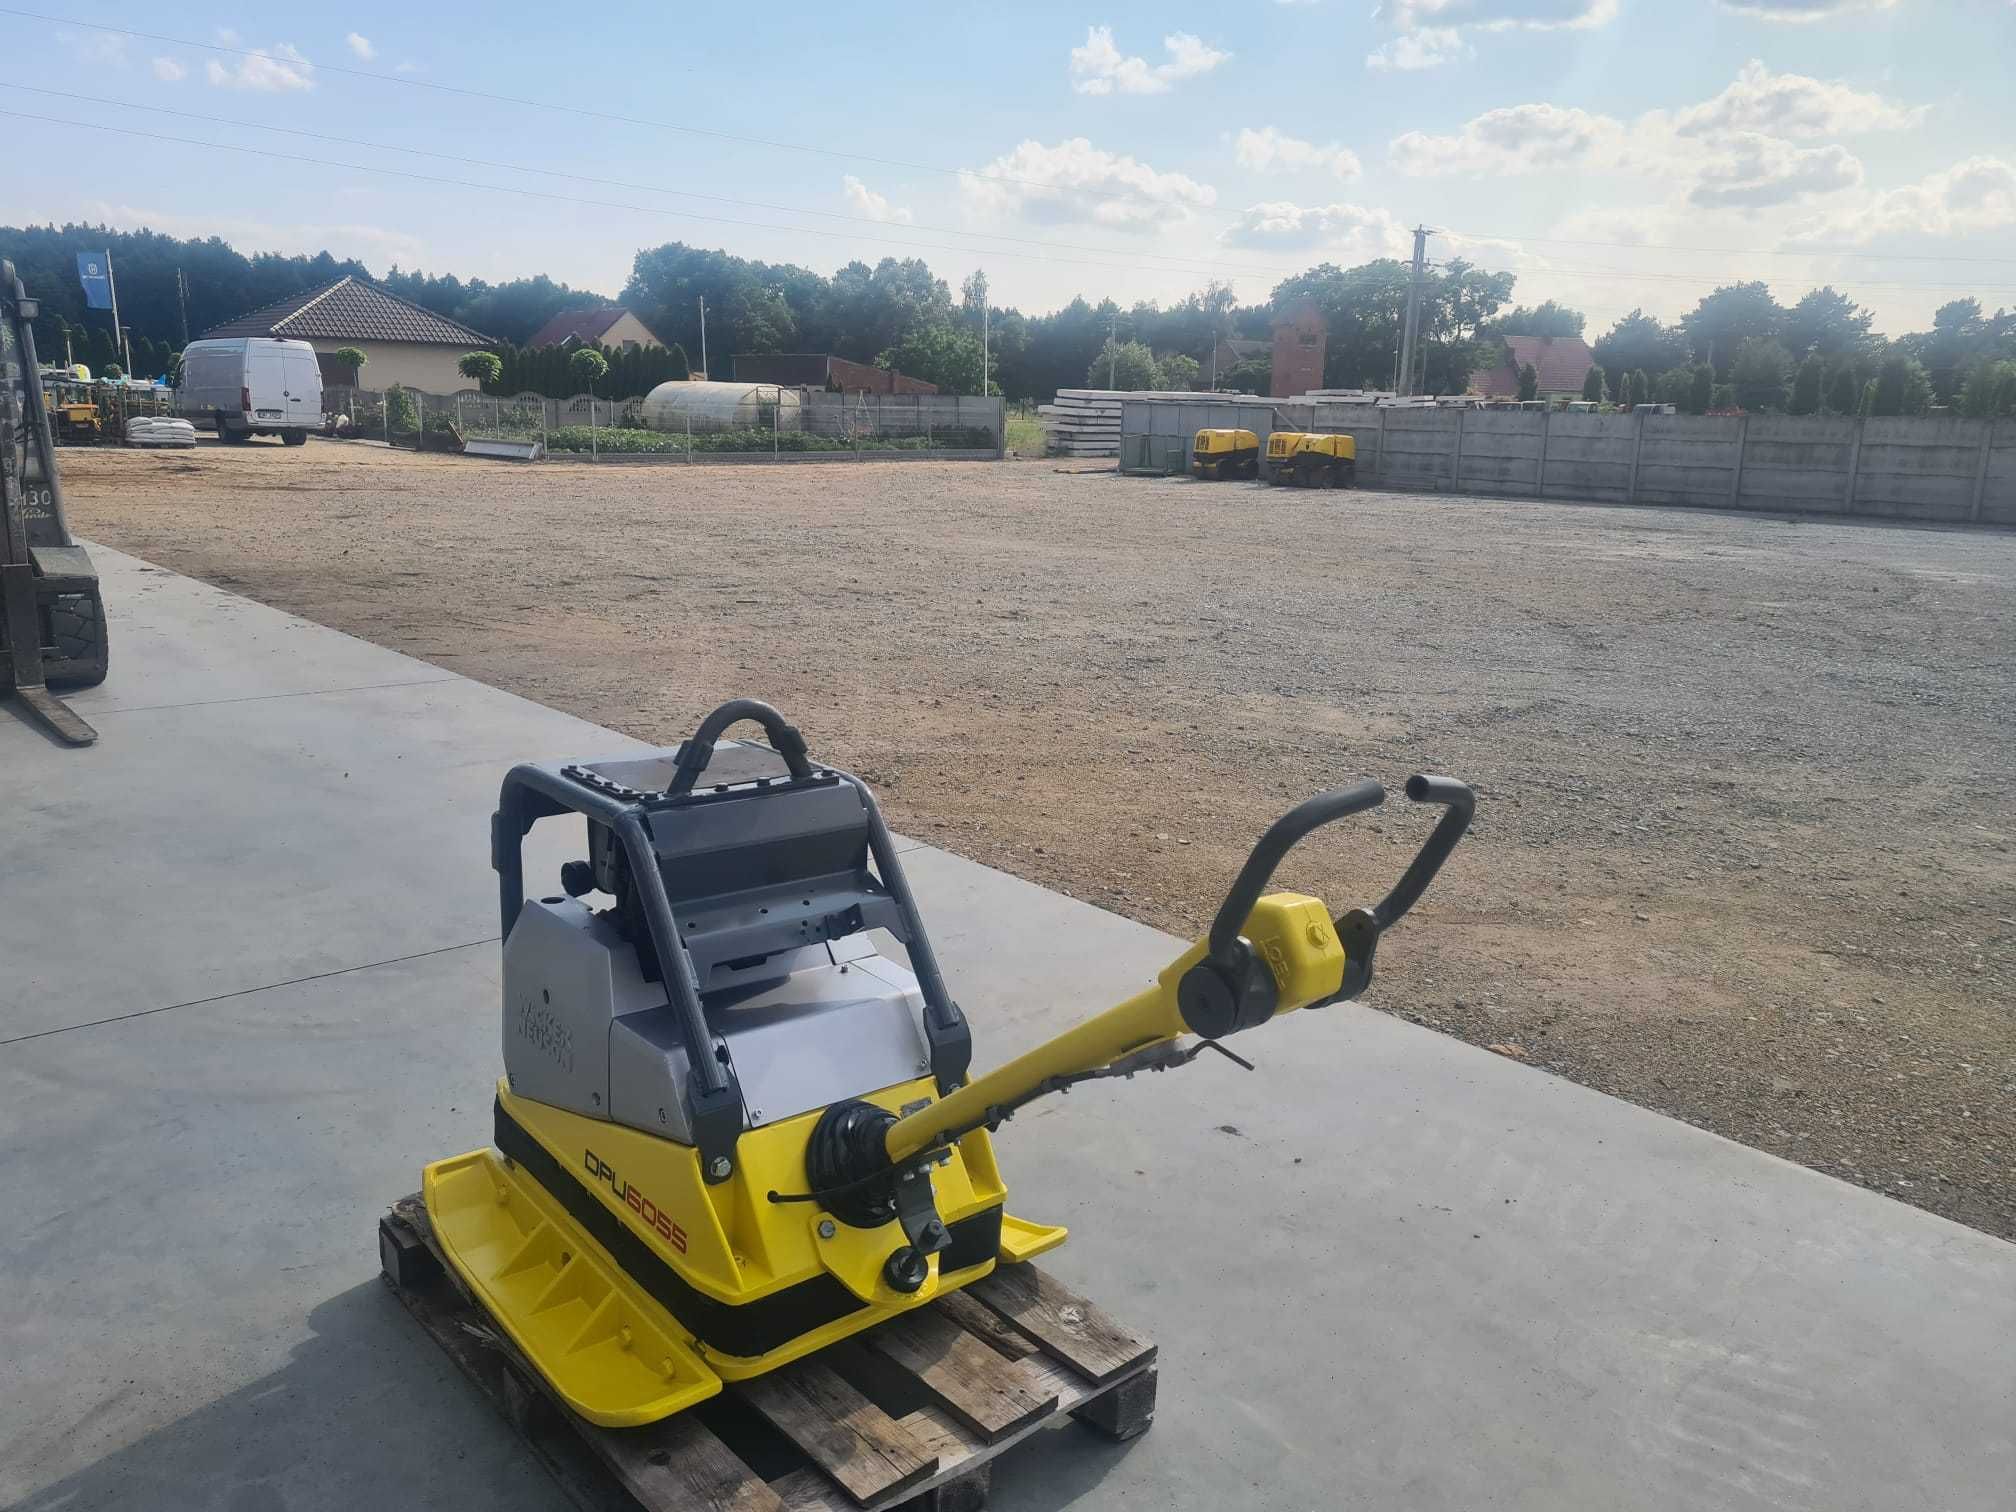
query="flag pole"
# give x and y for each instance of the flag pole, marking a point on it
(118, 331)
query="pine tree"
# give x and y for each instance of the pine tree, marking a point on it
(1701, 393)
(1844, 395)
(1806, 386)
(1593, 389)
(1641, 387)
(1529, 383)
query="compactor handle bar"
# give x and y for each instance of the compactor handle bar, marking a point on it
(696, 753)
(1282, 836)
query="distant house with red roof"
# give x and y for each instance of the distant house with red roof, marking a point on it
(603, 325)
(1562, 362)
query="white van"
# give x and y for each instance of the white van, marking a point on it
(253, 386)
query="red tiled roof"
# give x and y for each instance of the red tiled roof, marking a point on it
(1561, 361)
(350, 310)
(578, 325)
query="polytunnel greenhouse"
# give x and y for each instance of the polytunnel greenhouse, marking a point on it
(680, 404)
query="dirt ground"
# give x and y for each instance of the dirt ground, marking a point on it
(1744, 840)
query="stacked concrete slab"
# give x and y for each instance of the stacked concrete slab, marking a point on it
(1087, 422)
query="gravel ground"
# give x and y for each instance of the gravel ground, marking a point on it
(1744, 838)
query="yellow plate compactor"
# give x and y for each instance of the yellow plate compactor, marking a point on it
(731, 1129)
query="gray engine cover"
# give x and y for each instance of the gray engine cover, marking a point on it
(584, 1031)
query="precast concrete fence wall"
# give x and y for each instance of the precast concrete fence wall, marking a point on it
(1931, 469)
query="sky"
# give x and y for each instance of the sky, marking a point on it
(1615, 154)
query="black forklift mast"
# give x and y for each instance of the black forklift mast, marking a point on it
(52, 619)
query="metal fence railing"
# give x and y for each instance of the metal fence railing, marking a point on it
(778, 421)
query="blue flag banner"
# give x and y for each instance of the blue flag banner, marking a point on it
(94, 271)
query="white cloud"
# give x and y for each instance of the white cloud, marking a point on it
(1268, 150)
(1799, 12)
(1100, 68)
(101, 49)
(1431, 33)
(360, 45)
(1793, 105)
(1075, 182)
(1978, 194)
(1760, 171)
(1429, 47)
(167, 70)
(1348, 230)
(1516, 139)
(374, 244)
(1500, 15)
(274, 70)
(875, 206)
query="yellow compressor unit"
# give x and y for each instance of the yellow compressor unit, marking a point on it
(1225, 454)
(1308, 459)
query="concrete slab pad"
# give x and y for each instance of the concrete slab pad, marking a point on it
(1387, 1270)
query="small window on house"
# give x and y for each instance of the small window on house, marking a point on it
(1307, 338)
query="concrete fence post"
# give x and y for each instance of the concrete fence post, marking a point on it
(1736, 474)
(1981, 469)
(1456, 458)
(1546, 431)
(1637, 448)
(1854, 467)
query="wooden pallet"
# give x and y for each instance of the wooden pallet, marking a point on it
(910, 1413)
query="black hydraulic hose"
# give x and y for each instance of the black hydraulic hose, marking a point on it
(1459, 802)
(697, 752)
(1281, 837)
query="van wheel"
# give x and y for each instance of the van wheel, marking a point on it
(294, 437)
(228, 433)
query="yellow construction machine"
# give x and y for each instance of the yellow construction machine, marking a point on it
(1225, 454)
(1309, 459)
(732, 1129)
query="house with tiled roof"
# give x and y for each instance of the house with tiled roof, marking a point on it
(1562, 362)
(604, 325)
(401, 342)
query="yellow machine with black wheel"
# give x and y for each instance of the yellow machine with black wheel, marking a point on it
(731, 1131)
(74, 415)
(1310, 459)
(1225, 454)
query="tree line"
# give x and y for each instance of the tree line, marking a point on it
(1818, 354)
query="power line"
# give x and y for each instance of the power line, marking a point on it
(568, 199)
(582, 111)
(1190, 264)
(1562, 241)
(903, 163)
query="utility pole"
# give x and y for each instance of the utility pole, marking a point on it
(118, 331)
(1113, 350)
(985, 301)
(1410, 333)
(703, 336)
(182, 303)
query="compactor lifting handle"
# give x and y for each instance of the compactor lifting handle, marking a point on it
(696, 753)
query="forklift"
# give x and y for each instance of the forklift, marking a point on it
(52, 614)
